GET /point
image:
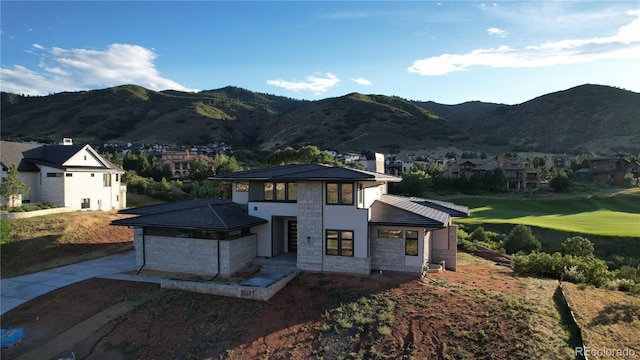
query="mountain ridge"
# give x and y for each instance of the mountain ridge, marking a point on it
(583, 118)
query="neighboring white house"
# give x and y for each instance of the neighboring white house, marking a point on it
(67, 175)
(333, 219)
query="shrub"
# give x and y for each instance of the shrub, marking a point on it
(479, 235)
(521, 239)
(570, 268)
(577, 246)
(466, 246)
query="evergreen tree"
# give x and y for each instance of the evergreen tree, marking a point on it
(12, 187)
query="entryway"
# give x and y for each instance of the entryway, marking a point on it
(292, 236)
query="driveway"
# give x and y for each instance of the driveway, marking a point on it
(20, 289)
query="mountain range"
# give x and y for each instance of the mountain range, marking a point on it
(584, 118)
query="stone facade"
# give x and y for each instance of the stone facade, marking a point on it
(347, 265)
(195, 256)
(236, 254)
(310, 236)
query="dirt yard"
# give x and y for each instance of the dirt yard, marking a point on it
(480, 311)
(45, 242)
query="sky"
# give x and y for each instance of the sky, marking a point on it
(449, 52)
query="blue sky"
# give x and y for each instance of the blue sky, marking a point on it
(448, 52)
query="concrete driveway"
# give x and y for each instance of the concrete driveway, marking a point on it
(20, 289)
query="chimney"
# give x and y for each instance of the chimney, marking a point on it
(66, 141)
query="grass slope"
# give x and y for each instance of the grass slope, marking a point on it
(617, 215)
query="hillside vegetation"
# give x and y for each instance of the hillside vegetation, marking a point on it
(588, 117)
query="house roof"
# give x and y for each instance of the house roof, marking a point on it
(310, 172)
(413, 211)
(26, 155)
(200, 214)
(11, 154)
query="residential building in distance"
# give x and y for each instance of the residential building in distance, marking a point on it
(520, 174)
(179, 161)
(67, 175)
(610, 170)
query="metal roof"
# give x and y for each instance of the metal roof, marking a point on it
(201, 214)
(395, 210)
(308, 172)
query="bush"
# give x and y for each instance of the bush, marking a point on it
(479, 235)
(520, 239)
(577, 246)
(570, 268)
(466, 246)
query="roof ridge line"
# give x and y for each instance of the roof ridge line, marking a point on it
(217, 215)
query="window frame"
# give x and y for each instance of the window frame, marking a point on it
(85, 204)
(408, 240)
(340, 200)
(341, 240)
(279, 193)
(106, 180)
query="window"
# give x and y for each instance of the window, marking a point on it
(411, 243)
(410, 239)
(242, 187)
(68, 174)
(389, 234)
(106, 180)
(281, 194)
(54, 175)
(339, 243)
(117, 178)
(268, 191)
(292, 191)
(280, 191)
(340, 193)
(93, 175)
(85, 203)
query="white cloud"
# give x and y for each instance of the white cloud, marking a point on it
(625, 44)
(361, 81)
(85, 69)
(318, 85)
(497, 32)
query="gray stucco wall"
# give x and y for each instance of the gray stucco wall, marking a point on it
(444, 247)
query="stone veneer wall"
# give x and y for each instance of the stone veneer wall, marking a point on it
(310, 237)
(347, 265)
(194, 256)
(389, 254)
(236, 254)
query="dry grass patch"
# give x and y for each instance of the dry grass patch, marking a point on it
(609, 319)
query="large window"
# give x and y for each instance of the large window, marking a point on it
(339, 242)
(196, 234)
(280, 191)
(411, 243)
(106, 180)
(340, 193)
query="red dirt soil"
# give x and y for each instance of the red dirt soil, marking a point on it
(449, 315)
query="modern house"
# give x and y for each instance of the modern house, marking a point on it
(67, 175)
(325, 218)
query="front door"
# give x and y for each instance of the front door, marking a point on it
(292, 235)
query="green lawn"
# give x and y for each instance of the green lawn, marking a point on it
(617, 215)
